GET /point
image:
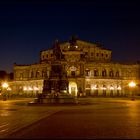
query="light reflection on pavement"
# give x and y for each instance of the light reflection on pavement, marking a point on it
(117, 118)
(15, 115)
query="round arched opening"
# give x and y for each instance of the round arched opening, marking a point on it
(73, 88)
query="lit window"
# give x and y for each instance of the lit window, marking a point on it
(30, 88)
(104, 87)
(24, 88)
(111, 87)
(118, 87)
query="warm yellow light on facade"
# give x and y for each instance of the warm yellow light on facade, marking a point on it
(94, 87)
(111, 88)
(119, 88)
(30, 88)
(5, 85)
(65, 91)
(24, 88)
(132, 84)
(87, 80)
(35, 88)
(9, 89)
(73, 86)
(104, 88)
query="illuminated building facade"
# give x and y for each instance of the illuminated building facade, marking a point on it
(88, 70)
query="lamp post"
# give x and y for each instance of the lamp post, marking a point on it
(4, 89)
(132, 86)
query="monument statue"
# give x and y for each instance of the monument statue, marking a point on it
(56, 50)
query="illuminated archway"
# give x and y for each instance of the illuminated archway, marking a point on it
(73, 88)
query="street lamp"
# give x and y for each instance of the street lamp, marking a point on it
(4, 87)
(132, 86)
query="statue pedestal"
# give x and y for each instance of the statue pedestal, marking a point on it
(61, 98)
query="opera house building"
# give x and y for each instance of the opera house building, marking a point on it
(78, 68)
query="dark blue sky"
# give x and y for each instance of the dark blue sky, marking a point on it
(27, 27)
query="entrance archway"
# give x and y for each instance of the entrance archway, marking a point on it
(73, 88)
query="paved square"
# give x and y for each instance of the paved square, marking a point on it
(92, 118)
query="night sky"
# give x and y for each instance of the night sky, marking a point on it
(27, 27)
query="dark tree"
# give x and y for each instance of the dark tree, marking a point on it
(3, 75)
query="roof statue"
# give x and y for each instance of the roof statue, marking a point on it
(72, 42)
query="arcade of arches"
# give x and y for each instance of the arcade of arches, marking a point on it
(88, 68)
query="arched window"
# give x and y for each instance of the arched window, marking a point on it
(96, 72)
(96, 90)
(43, 73)
(21, 75)
(111, 74)
(104, 87)
(92, 54)
(118, 90)
(104, 72)
(43, 57)
(88, 86)
(117, 74)
(88, 90)
(87, 72)
(104, 90)
(32, 74)
(111, 90)
(37, 73)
